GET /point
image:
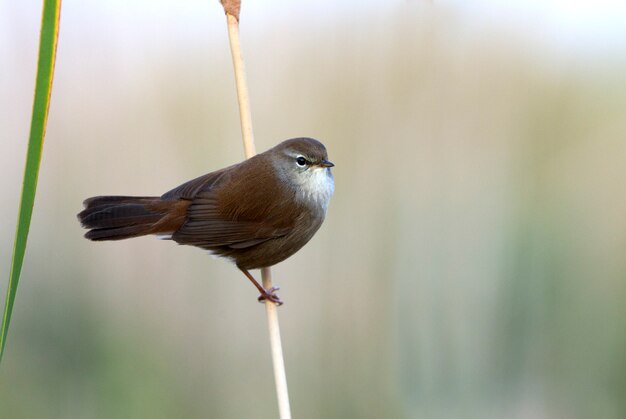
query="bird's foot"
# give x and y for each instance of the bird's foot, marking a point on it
(265, 294)
(271, 296)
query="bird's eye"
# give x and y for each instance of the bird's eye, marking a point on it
(301, 161)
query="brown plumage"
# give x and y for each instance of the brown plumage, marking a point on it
(257, 213)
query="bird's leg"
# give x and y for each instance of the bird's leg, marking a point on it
(265, 294)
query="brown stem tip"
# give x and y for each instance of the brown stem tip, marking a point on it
(232, 7)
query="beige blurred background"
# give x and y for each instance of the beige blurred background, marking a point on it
(472, 264)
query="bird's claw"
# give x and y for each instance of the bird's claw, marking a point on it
(271, 296)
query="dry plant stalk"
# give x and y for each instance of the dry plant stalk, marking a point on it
(232, 7)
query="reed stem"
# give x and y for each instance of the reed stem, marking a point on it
(280, 378)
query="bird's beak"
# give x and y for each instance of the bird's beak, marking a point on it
(326, 163)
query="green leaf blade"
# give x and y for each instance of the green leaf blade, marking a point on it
(43, 88)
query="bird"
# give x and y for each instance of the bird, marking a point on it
(255, 213)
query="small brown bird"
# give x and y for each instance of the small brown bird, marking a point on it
(257, 213)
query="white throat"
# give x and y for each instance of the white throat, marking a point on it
(317, 185)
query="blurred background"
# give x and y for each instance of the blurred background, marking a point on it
(472, 264)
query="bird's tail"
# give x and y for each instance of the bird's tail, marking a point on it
(123, 217)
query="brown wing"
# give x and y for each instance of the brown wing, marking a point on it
(231, 224)
(190, 189)
(207, 227)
